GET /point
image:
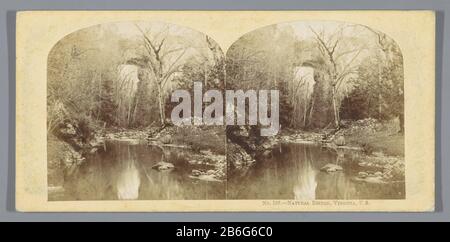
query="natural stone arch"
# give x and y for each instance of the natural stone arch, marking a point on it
(143, 57)
(317, 34)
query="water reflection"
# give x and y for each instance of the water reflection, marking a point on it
(124, 171)
(128, 182)
(294, 173)
(305, 186)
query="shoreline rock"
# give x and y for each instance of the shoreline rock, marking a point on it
(331, 168)
(163, 166)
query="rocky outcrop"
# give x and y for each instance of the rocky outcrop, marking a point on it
(209, 175)
(163, 166)
(245, 146)
(60, 156)
(339, 140)
(321, 106)
(379, 168)
(166, 139)
(238, 160)
(209, 166)
(331, 168)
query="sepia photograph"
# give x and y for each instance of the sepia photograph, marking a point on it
(154, 111)
(110, 134)
(341, 116)
(341, 113)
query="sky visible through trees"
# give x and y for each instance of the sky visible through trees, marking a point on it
(122, 74)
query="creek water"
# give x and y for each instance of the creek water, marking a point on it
(292, 171)
(123, 171)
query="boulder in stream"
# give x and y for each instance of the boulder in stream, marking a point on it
(206, 177)
(163, 166)
(339, 141)
(166, 139)
(363, 174)
(370, 179)
(331, 168)
(196, 173)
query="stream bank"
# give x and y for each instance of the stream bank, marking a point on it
(377, 146)
(203, 147)
(200, 156)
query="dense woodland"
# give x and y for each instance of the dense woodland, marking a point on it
(326, 72)
(121, 75)
(109, 107)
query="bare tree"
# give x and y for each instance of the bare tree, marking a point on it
(162, 61)
(340, 64)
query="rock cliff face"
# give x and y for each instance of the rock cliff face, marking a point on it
(67, 147)
(60, 156)
(79, 135)
(321, 110)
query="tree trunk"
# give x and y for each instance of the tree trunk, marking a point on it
(130, 98)
(379, 94)
(311, 111)
(133, 117)
(305, 108)
(401, 118)
(336, 112)
(161, 106)
(205, 74)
